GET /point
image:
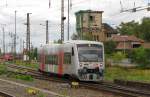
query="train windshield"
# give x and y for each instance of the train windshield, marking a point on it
(90, 53)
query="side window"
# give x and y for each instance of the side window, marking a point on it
(51, 59)
(67, 58)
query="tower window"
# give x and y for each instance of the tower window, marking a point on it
(97, 38)
(91, 18)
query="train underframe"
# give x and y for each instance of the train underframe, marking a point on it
(86, 74)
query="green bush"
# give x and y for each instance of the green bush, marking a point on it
(140, 56)
(110, 47)
(41, 95)
(133, 74)
(24, 77)
(118, 57)
(3, 69)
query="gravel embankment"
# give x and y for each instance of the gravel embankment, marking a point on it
(58, 88)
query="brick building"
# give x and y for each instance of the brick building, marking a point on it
(90, 22)
(125, 42)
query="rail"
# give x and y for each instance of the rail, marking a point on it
(3, 94)
(121, 90)
(104, 86)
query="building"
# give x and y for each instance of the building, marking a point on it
(108, 31)
(125, 42)
(89, 22)
(146, 45)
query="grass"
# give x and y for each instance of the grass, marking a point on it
(111, 73)
(24, 77)
(3, 69)
(41, 95)
(134, 74)
(27, 64)
(20, 76)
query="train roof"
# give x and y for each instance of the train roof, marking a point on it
(73, 42)
(82, 42)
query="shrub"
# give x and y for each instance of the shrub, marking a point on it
(24, 77)
(140, 57)
(3, 69)
(110, 47)
(118, 57)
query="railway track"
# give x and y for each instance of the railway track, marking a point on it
(104, 86)
(35, 73)
(2, 94)
(120, 90)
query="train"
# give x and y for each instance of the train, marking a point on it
(80, 59)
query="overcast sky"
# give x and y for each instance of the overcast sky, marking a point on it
(41, 12)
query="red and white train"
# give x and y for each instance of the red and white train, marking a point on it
(83, 60)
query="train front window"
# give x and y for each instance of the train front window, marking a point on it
(90, 55)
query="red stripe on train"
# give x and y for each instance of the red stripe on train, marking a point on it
(60, 62)
(42, 61)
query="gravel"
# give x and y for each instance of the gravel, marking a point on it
(60, 88)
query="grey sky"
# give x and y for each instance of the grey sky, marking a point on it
(40, 12)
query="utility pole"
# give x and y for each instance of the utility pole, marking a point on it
(3, 41)
(28, 35)
(15, 36)
(62, 21)
(20, 45)
(68, 17)
(12, 41)
(23, 45)
(23, 49)
(47, 33)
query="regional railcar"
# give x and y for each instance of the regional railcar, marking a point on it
(78, 59)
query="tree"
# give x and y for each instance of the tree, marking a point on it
(129, 28)
(57, 41)
(118, 57)
(141, 30)
(33, 54)
(140, 56)
(74, 36)
(110, 47)
(145, 29)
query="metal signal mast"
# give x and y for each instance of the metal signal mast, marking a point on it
(28, 35)
(62, 21)
(135, 9)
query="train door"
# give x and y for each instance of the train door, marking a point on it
(73, 61)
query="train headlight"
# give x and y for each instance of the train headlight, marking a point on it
(80, 65)
(101, 65)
